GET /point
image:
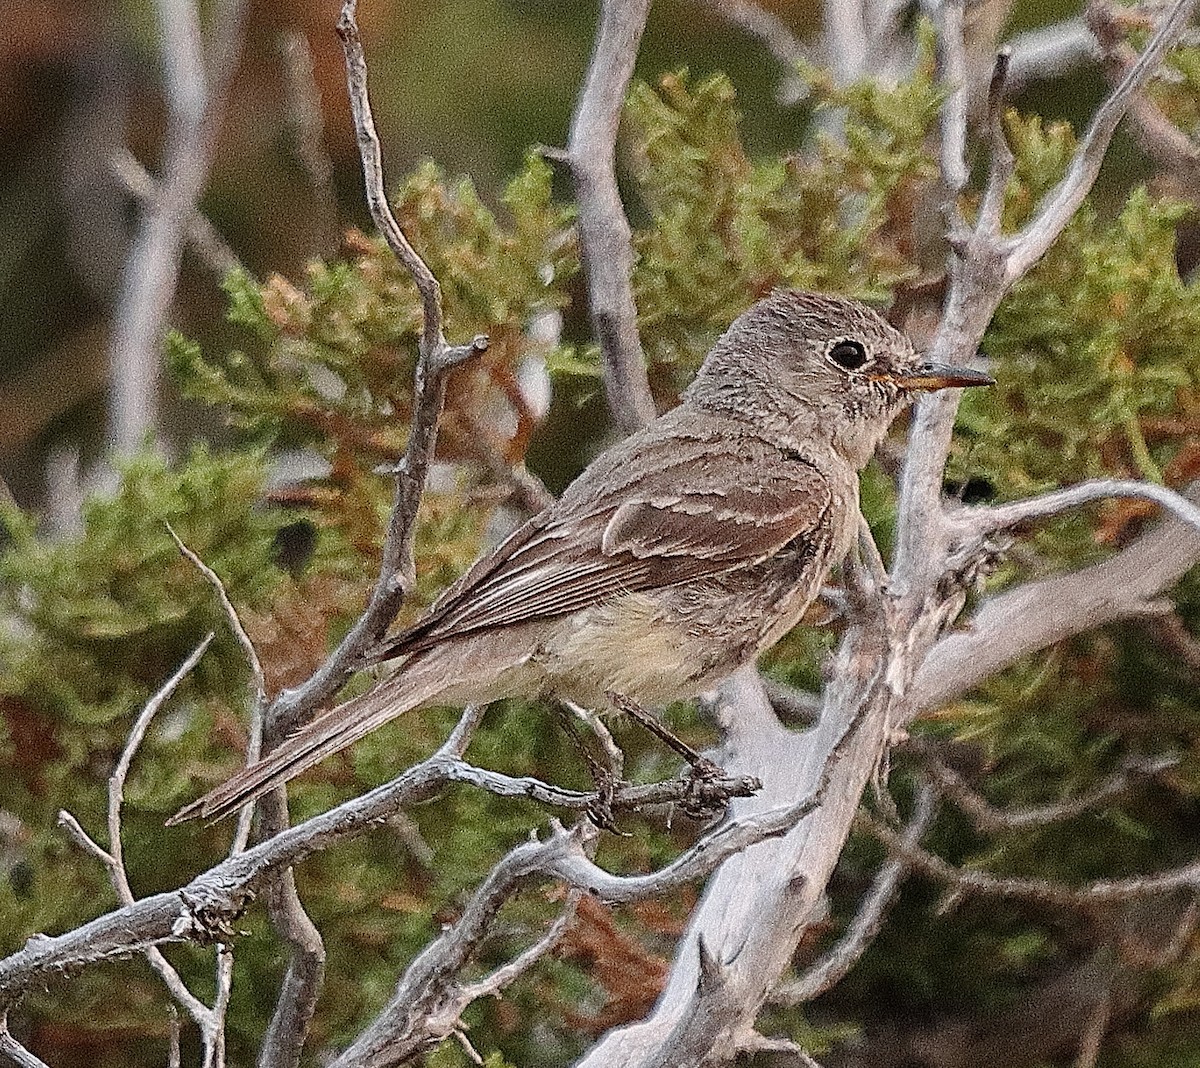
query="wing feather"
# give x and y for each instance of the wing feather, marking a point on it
(646, 530)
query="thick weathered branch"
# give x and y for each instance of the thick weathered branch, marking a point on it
(1009, 625)
(605, 241)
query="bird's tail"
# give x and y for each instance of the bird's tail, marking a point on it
(419, 681)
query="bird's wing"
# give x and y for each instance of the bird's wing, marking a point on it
(652, 530)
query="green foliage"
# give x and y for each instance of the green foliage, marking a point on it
(333, 360)
(724, 229)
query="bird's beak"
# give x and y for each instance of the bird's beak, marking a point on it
(930, 376)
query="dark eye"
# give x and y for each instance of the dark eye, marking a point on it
(848, 354)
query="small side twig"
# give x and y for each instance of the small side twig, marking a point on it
(987, 817)
(507, 974)
(1038, 891)
(211, 1023)
(987, 519)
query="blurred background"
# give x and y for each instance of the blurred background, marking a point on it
(469, 83)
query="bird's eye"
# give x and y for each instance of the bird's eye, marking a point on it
(848, 354)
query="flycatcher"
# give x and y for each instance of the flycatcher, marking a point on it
(676, 556)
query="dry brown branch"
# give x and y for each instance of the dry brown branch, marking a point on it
(605, 241)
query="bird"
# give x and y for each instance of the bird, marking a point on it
(679, 553)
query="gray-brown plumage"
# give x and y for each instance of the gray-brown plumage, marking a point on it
(677, 555)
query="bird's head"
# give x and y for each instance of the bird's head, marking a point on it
(828, 366)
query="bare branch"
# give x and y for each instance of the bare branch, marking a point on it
(283, 1043)
(506, 975)
(1036, 614)
(834, 965)
(1049, 52)
(605, 241)
(844, 46)
(776, 36)
(113, 858)
(235, 624)
(983, 520)
(952, 53)
(987, 817)
(1027, 247)
(433, 340)
(195, 88)
(1093, 1033)
(205, 240)
(304, 115)
(1000, 169)
(397, 570)
(204, 909)
(1158, 136)
(1038, 891)
(782, 1048)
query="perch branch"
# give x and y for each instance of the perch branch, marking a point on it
(204, 909)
